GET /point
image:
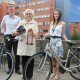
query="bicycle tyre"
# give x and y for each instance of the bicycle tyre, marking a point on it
(45, 73)
(75, 72)
(4, 66)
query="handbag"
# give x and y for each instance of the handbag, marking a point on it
(9, 37)
(30, 37)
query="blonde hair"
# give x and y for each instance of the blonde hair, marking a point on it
(31, 11)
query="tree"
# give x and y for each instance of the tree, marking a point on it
(76, 35)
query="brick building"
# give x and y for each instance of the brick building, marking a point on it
(74, 26)
(2, 9)
(43, 12)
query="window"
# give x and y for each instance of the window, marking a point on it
(40, 30)
(45, 30)
(38, 9)
(21, 13)
(43, 23)
(45, 0)
(39, 2)
(42, 16)
(17, 13)
(30, 4)
(76, 23)
(27, 4)
(40, 24)
(33, 3)
(17, 7)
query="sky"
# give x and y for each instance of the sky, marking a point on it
(0, 1)
(74, 10)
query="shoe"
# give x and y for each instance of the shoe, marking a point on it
(28, 79)
(52, 76)
(8, 72)
(56, 78)
(18, 72)
(22, 78)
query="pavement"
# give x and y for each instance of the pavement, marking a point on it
(15, 76)
(65, 76)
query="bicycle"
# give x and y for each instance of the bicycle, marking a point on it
(5, 57)
(43, 63)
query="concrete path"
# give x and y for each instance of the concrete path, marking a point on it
(65, 76)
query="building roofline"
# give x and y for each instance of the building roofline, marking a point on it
(74, 21)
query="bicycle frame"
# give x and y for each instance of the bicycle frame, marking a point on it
(50, 50)
(5, 56)
(73, 54)
(43, 62)
(3, 49)
(53, 54)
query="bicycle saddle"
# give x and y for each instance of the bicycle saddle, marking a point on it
(77, 48)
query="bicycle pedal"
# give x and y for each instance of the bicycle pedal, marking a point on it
(63, 60)
(67, 69)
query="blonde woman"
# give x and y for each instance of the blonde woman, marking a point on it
(26, 45)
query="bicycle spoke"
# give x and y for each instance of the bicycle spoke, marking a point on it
(41, 70)
(4, 66)
(4, 69)
(75, 67)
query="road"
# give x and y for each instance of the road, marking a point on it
(65, 76)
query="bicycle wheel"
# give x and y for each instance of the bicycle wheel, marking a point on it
(75, 66)
(6, 57)
(41, 69)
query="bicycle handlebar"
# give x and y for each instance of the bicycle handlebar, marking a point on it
(71, 43)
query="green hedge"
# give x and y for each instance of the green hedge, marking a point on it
(76, 36)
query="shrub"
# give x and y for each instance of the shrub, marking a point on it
(76, 36)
